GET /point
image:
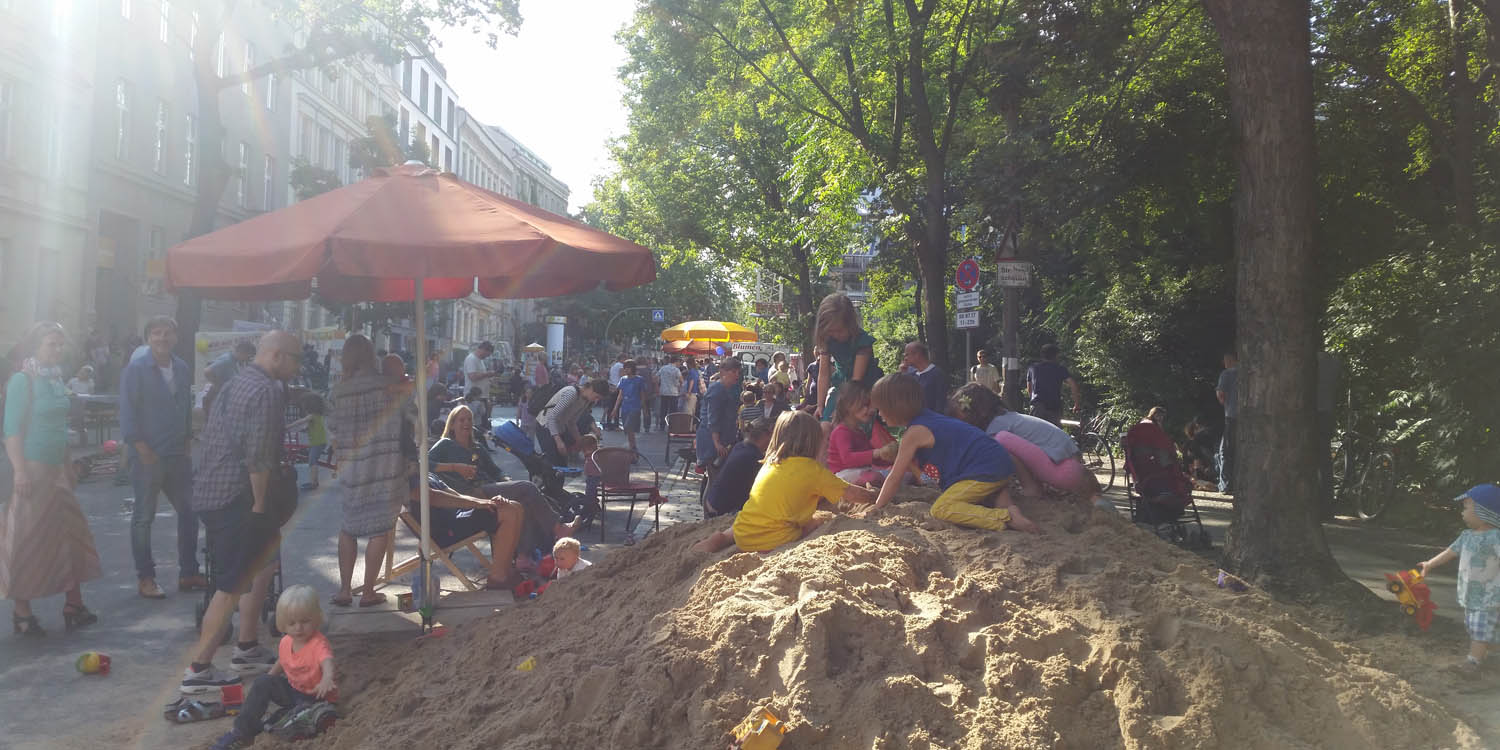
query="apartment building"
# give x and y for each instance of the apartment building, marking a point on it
(46, 100)
(534, 181)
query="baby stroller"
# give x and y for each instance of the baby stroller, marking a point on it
(268, 610)
(1159, 492)
(548, 478)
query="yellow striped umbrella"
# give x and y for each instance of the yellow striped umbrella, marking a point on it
(709, 330)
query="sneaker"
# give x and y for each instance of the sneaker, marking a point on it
(1465, 670)
(254, 661)
(231, 740)
(208, 682)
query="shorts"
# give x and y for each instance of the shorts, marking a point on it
(240, 544)
(1053, 415)
(315, 453)
(631, 420)
(1482, 624)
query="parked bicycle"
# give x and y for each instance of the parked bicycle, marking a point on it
(1096, 446)
(1364, 472)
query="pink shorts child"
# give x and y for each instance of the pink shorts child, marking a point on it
(1067, 474)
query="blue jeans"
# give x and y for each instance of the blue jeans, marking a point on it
(1226, 457)
(172, 476)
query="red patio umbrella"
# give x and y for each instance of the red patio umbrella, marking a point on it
(407, 233)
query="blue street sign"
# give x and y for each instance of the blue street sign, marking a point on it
(658, 316)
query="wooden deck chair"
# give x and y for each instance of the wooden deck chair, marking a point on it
(442, 555)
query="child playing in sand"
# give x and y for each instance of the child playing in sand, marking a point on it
(972, 468)
(303, 672)
(1478, 552)
(859, 449)
(786, 491)
(565, 552)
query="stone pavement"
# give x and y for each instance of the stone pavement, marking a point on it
(46, 703)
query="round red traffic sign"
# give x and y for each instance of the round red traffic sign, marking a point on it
(967, 276)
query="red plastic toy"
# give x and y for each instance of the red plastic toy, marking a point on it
(1412, 593)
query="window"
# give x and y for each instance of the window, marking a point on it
(125, 9)
(62, 16)
(437, 104)
(189, 144)
(55, 131)
(164, 21)
(122, 119)
(447, 159)
(450, 115)
(422, 92)
(405, 125)
(159, 162)
(325, 148)
(239, 175)
(7, 103)
(220, 64)
(249, 63)
(433, 154)
(406, 78)
(305, 135)
(271, 92)
(340, 160)
(268, 175)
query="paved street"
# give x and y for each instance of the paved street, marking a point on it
(148, 641)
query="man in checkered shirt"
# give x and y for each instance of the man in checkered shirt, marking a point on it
(241, 445)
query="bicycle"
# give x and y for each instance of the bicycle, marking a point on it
(1370, 464)
(1096, 448)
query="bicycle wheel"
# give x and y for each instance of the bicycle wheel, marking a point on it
(1377, 485)
(1098, 457)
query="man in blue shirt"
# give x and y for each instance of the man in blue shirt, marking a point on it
(718, 423)
(156, 404)
(933, 380)
(1044, 380)
(628, 401)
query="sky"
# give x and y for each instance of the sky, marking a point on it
(554, 86)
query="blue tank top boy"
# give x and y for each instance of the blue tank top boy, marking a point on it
(961, 451)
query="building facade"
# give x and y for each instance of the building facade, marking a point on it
(46, 99)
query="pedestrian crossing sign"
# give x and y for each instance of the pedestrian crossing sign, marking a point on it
(658, 316)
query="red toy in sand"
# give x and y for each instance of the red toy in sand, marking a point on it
(1412, 593)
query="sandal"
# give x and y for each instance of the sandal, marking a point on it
(27, 625)
(77, 616)
(373, 600)
(340, 601)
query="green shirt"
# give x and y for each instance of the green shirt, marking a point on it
(317, 431)
(1478, 569)
(46, 438)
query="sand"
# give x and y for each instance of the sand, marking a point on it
(894, 632)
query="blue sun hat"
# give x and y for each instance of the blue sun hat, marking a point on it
(1486, 499)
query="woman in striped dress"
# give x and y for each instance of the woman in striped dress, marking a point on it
(364, 425)
(45, 543)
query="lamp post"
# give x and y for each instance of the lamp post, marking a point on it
(611, 322)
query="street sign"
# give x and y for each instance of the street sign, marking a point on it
(967, 275)
(966, 300)
(1014, 273)
(967, 319)
(658, 316)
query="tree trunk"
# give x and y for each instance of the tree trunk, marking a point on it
(1276, 538)
(933, 266)
(213, 173)
(916, 306)
(1464, 94)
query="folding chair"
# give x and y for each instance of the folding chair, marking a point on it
(615, 483)
(443, 555)
(681, 427)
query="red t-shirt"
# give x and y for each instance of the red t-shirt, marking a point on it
(304, 666)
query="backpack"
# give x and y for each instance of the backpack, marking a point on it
(540, 395)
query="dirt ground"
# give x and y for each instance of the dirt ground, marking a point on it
(905, 632)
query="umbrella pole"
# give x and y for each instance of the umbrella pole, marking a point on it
(429, 601)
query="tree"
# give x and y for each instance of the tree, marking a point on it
(1276, 535)
(308, 179)
(884, 93)
(385, 30)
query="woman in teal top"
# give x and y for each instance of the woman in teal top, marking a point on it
(45, 543)
(848, 350)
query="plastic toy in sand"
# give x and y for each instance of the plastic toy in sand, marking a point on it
(761, 731)
(1412, 593)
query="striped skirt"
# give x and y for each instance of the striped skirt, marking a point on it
(46, 547)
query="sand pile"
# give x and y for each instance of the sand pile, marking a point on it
(897, 632)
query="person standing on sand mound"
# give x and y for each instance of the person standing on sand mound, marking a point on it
(786, 491)
(971, 467)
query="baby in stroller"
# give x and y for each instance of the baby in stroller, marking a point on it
(1160, 491)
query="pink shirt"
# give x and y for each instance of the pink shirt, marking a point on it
(304, 666)
(848, 448)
